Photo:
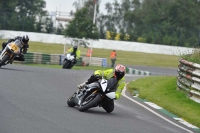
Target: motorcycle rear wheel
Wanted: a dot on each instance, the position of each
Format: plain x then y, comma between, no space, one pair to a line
70,101
5,58
91,102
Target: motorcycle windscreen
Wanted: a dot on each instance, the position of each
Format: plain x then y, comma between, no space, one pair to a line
18,43
92,86
70,57
112,84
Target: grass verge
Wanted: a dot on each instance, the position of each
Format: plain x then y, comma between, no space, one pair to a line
162,91
74,68
123,57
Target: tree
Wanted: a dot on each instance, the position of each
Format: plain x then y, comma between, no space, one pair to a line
60,29
49,25
81,26
29,11
7,10
162,21
22,15
167,22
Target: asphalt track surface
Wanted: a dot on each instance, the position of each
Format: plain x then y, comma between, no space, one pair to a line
33,100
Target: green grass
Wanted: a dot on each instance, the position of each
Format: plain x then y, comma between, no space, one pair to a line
74,68
123,57
162,90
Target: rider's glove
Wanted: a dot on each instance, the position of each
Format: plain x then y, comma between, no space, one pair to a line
25,51
21,54
97,77
81,86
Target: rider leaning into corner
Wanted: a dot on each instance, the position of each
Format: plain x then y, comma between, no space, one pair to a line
24,40
75,51
118,72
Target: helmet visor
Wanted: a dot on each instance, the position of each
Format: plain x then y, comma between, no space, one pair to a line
24,41
119,75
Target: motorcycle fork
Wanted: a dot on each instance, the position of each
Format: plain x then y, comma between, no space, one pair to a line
100,94
93,93
7,54
4,54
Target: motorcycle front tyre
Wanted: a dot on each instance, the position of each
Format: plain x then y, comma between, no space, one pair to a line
5,58
65,64
71,65
90,103
70,101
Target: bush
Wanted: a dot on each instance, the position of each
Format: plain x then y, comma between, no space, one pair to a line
194,57
140,39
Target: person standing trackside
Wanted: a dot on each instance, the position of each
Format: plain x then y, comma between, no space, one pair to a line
113,55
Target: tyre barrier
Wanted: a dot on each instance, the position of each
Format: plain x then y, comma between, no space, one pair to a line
57,59
189,79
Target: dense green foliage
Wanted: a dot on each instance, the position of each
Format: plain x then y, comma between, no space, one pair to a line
26,15
193,57
168,22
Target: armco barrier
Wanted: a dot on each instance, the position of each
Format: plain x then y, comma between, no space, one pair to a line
189,79
39,58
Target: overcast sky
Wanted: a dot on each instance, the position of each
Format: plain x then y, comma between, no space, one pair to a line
67,5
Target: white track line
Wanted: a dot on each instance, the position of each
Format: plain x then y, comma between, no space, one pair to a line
147,108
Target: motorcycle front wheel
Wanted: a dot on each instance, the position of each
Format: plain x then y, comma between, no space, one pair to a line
70,101
65,63
89,102
5,58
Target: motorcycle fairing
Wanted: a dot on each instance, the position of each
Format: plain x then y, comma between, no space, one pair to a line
112,84
69,57
92,86
103,84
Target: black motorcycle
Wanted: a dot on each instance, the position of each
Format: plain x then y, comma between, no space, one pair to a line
93,94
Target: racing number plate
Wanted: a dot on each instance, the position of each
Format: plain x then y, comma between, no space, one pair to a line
104,84
14,47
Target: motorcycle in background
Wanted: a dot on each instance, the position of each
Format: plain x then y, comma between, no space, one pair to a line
94,94
10,52
68,61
